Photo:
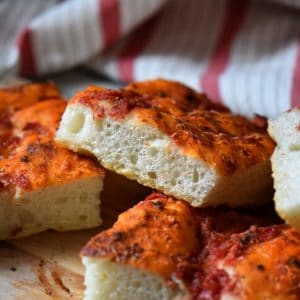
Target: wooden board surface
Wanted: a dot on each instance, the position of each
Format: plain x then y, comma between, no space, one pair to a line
47,265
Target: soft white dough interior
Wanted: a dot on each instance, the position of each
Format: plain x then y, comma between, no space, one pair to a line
285,130
286,168
105,280
286,165
72,206
142,152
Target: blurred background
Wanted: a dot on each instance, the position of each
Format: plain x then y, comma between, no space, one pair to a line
243,53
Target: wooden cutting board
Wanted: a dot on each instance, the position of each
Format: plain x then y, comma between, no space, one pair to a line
47,265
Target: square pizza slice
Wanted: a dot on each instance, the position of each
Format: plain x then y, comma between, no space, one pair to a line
42,185
165,249
172,139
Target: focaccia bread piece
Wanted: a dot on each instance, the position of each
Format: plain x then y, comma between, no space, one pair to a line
286,165
42,185
166,249
170,138
23,95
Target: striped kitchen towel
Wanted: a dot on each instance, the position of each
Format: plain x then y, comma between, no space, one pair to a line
243,53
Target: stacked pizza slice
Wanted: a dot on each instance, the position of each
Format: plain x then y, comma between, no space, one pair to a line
170,138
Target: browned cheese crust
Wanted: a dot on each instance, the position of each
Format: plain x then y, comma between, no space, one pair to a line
201,128
213,251
29,157
15,98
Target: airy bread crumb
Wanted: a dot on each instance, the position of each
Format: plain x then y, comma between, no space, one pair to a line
108,280
71,206
142,152
286,165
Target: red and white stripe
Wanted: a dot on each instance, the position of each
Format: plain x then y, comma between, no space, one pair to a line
245,54
259,74
295,89
64,36
234,16
118,61
182,43
14,19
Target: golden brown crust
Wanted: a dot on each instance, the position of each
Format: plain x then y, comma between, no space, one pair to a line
15,98
172,93
166,222
276,261
213,251
29,157
199,127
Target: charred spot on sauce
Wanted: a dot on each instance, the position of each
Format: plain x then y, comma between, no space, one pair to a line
5,120
147,217
260,267
118,236
294,261
191,97
162,94
187,271
35,126
260,122
256,235
25,159
248,238
159,115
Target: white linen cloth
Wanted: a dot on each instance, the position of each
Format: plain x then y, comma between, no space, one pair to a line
243,53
